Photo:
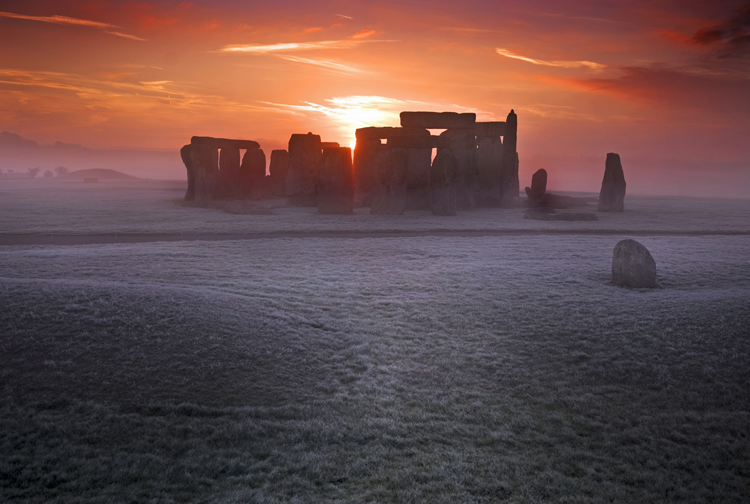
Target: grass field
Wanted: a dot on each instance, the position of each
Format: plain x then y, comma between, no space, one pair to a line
430,369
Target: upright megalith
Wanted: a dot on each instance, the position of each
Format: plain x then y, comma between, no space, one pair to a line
365,152
419,144
489,162
206,159
509,168
462,143
186,153
305,156
229,172
633,265
443,177
278,169
389,196
612,194
491,129
224,143
437,120
336,182
253,174
538,187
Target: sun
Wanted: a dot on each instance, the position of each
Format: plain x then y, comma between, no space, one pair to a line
353,144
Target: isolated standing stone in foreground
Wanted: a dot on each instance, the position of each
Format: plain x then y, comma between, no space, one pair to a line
632,265
443,177
612,195
336,182
538,185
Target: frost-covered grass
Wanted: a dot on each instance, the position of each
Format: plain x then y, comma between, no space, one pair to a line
156,207
434,369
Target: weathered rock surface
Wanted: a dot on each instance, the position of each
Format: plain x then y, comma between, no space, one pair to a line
364,167
463,145
253,174
224,143
437,120
186,153
509,168
552,216
443,176
206,160
633,265
489,162
418,142
418,179
238,207
538,185
336,182
278,168
229,172
305,156
328,145
389,195
381,133
489,129
612,194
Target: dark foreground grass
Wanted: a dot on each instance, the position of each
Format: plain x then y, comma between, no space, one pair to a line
459,390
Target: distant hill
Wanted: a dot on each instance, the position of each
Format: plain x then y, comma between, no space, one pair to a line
99,173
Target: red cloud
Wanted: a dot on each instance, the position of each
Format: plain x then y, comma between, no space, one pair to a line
363,34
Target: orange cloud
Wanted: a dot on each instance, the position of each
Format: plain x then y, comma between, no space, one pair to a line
70,21
312,30
363,34
595,67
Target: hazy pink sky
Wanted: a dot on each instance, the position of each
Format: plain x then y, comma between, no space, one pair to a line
666,80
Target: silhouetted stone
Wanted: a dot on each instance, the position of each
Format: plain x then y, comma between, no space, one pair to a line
206,160
419,142
229,173
463,145
633,265
253,174
489,162
612,195
547,214
328,145
437,120
278,169
336,182
418,179
305,156
365,152
538,185
238,207
186,153
489,129
443,175
509,168
224,143
391,171
384,133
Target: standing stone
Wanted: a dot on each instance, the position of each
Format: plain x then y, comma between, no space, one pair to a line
305,156
509,169
206,160
253,170
538,185
186,153
336,182
463,145
364,166
489,164
443,177
229,172
391,172
612,195
632,265
279,167
418,179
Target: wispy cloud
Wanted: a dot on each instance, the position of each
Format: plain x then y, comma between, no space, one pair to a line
291,46
596,67
65,20
363,34
327,64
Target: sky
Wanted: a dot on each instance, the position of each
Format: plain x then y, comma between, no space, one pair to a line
666,84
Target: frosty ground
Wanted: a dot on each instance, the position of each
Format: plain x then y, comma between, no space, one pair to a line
384,369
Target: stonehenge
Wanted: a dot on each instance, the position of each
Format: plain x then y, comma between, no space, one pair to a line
612,194
392,169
